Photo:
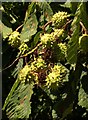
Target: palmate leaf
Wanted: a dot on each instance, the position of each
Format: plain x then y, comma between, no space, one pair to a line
29,28
19,105
73,43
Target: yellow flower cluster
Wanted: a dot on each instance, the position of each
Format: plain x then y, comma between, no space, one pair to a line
14,39
51,38
55,77
38,63
23,48
63,49
46,38
59,19
30,71
24,73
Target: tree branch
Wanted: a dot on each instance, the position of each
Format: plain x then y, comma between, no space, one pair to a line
64,27
85,30
44,26
30,52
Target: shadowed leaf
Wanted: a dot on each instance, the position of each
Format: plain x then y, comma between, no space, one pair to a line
29,28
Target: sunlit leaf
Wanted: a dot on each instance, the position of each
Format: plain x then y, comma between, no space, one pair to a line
5,30
83,42
83,98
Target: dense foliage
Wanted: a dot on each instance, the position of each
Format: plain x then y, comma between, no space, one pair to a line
45,60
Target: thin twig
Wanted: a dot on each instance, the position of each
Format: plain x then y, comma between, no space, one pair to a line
32,50
12,63
83,27
26,60
19,27
64,27
23,56
44,26
50,22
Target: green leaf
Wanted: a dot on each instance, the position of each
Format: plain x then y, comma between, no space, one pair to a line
73,43
83,42
54,114
6,18
19,105
29,28
62,106
47,11
72,49
17,68
66,4
30,10
84,15
84,81
71,5
10,93
83,98
36,38
67,111
5,30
